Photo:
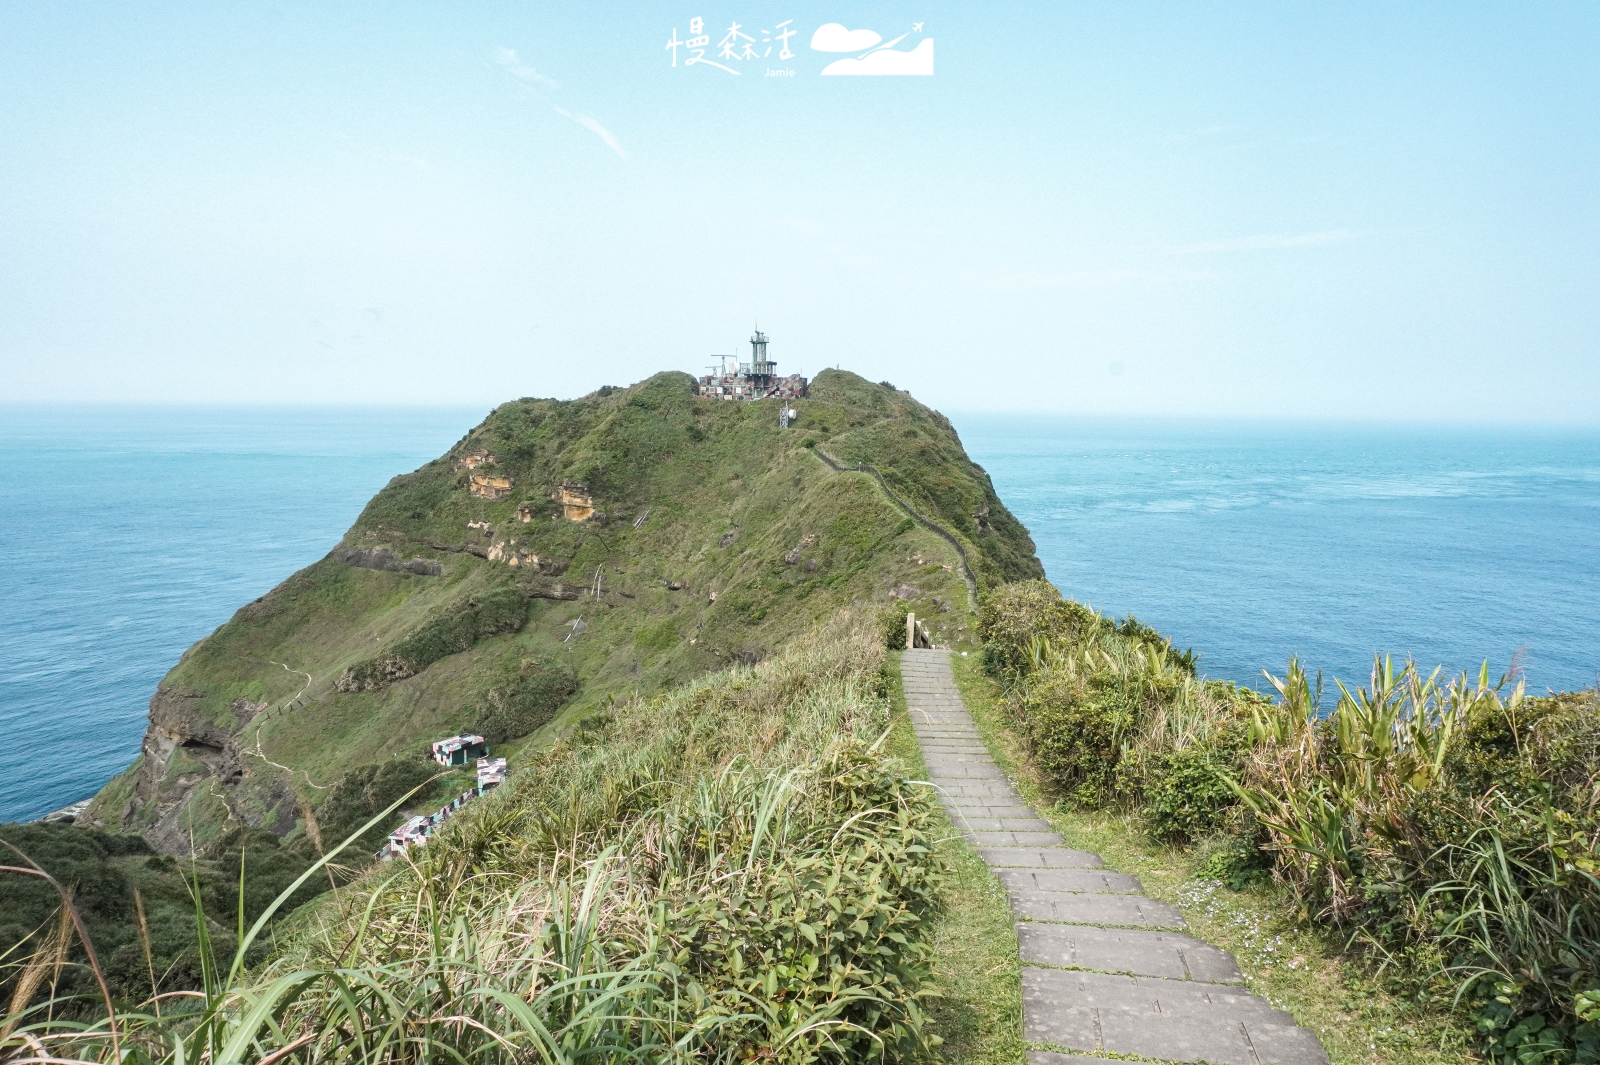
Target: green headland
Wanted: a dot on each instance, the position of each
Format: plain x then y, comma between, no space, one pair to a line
714,537
679,620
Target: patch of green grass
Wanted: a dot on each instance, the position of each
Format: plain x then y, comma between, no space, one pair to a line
976,966
658,637
729,871
1285,959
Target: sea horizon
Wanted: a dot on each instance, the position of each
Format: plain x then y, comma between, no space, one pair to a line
1475,421
136,529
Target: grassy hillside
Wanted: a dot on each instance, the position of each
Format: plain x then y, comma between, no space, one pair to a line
719,538
730,871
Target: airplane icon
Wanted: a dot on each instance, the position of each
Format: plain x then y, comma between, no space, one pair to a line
916,27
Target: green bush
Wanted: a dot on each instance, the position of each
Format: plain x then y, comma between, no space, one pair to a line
1014,616
269,865
86,862
366,789
1455,826
1132,628
137,906
845,900
1186,795
892,620
446,633
526,696
1235,856
1075,729
499,611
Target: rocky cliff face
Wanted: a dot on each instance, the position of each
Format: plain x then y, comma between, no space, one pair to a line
427,621
183,751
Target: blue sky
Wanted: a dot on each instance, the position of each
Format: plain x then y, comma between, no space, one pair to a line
1286,210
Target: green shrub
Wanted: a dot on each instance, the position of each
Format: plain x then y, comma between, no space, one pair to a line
499,611
1453,825
1012,617
1075,729
366,789
270,866
892,620
85,862
1187,795
448,632
1236,857
527,695
1134,629
844,898
137,906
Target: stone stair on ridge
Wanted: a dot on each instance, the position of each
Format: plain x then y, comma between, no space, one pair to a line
1105,968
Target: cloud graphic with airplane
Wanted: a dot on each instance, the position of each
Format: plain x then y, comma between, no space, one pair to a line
876,56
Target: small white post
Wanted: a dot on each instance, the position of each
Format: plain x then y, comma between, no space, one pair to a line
911,631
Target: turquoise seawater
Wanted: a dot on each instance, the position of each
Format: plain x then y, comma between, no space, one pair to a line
128,534
1251,543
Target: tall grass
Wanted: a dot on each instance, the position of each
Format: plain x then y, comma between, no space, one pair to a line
1449,826
730,871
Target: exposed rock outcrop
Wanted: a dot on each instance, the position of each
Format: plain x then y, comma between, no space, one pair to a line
472,460
576,502
490,486
464,549
546,588
793,554
506,551
382,558
183,751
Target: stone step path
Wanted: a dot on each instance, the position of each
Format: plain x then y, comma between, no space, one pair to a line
1104,968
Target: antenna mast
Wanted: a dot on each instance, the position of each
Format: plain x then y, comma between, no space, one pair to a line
761,368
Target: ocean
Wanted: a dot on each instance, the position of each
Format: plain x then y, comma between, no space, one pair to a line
128,534
1252,543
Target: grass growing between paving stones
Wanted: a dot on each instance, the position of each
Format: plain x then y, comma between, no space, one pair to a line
1296,966
976,969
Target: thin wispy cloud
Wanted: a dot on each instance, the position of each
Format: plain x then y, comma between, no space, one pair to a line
1266,242
507,57
588,122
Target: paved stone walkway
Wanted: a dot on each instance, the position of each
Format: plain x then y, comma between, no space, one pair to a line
1105,969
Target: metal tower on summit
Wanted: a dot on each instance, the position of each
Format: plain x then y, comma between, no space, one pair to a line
761,368
756,379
